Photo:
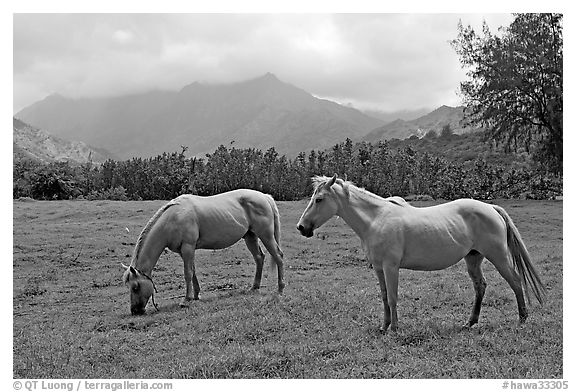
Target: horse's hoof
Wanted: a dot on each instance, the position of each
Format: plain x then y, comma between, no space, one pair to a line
185,303
469,324
383,329
522,320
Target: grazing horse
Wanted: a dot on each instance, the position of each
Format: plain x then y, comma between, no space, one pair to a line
397,235
191,222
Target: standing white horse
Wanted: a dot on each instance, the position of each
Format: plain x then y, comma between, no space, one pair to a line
396,235
191,222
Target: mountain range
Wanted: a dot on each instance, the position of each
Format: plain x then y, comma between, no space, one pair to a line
38,145
261,113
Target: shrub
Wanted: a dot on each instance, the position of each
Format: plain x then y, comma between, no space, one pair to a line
117,193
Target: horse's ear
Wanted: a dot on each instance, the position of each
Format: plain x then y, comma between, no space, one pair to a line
332,181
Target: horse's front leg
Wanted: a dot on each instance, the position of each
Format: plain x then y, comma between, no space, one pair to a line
192,286
391,276
384,295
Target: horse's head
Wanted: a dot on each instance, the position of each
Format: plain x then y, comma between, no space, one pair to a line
141,289
323,205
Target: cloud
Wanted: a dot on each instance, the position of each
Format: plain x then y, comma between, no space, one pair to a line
385,61
123,37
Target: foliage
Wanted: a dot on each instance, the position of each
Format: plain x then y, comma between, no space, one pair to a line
118,193
50,182
411,167
515,84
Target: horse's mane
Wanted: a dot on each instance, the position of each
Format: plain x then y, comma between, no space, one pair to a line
147,229
319,181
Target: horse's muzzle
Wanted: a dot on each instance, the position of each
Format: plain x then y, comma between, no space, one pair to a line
306,232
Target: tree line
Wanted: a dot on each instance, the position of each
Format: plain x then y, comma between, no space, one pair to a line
379,168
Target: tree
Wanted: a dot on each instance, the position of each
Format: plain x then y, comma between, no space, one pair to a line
515,84
55,181
446,132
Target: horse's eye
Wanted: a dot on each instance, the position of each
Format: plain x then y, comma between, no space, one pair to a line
136,288
318,200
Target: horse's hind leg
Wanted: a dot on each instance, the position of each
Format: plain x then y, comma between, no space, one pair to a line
501,260
192,285
382,282
474,264
252,245
274,249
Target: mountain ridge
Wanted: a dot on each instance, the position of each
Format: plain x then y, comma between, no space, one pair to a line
433,121
262,112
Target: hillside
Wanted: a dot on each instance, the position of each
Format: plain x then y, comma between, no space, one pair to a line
435,120
463,149
260,113
39,145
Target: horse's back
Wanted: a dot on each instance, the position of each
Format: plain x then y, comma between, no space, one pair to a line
220,220
459,206
438,236
223,201
472,209
476,215
480,220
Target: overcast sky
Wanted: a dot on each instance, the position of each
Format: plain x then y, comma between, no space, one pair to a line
378,61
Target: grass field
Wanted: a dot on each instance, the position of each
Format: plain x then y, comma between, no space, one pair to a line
72,317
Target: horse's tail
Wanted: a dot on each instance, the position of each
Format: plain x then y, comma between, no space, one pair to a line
276,222
273,265
521,258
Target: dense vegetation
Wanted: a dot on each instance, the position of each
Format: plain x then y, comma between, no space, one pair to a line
442,167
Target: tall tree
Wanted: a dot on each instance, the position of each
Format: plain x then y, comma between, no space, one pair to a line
515,84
